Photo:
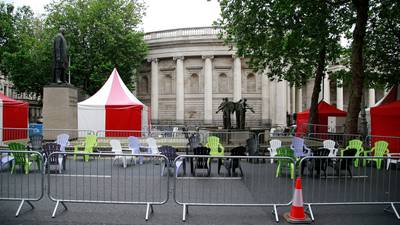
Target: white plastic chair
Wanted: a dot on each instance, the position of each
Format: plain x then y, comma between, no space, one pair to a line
152,146
392,158
175,132
117,149
274,145
5,159
134,146
329,144
272,132
63,141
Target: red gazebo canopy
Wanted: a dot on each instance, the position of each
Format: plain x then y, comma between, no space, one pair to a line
385,121
325,110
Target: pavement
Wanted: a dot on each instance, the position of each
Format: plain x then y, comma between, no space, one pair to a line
101,180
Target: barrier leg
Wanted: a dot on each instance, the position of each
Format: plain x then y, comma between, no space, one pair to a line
395,211
311,212
148,208
55,208
276,214
387,209
20,207
184,213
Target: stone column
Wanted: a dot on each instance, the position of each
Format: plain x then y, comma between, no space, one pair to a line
371,97
180,94
299,100
237,79
339,95
288,105
265,101
154,89
293,98
208,112
327,89
280,106
272,99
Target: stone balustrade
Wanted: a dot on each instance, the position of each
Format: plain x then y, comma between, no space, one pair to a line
183,32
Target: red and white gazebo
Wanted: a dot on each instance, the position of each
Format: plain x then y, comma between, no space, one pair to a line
13,119
113,107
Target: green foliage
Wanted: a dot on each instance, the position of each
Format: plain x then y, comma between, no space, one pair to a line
284,36
382,50
6,28
27,59
101,35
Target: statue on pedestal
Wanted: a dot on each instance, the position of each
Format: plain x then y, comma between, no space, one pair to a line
60,58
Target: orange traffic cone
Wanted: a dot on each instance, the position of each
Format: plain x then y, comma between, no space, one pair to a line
297,214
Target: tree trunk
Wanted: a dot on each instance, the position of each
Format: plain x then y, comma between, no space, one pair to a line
357,66
313,116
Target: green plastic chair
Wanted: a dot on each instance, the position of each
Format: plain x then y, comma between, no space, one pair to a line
216,149
285,152
354,144
21,159
88,145
380,149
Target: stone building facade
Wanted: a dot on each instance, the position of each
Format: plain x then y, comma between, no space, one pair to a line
188,72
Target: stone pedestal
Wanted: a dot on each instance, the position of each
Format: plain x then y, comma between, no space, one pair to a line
60,111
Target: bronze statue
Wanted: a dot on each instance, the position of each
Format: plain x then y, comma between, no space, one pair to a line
227,108
240,110
60,58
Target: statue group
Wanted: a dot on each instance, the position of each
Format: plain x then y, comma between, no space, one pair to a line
239,108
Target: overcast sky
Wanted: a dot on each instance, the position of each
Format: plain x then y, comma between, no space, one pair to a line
160,14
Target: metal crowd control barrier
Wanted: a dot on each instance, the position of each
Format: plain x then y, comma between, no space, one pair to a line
257,186
345,181
74,134
25,182
394,141
177,139
103,179
230,137
14,134
340,139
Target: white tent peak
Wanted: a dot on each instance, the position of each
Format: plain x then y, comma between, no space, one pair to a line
113,92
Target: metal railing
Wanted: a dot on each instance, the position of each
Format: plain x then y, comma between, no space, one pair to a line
104,180
349,181
21,181
254,183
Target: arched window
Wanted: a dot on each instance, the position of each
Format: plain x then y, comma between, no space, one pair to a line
167,84
223,83
251,83
194,83
144,85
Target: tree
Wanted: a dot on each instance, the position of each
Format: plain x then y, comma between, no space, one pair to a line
382,51
294,39
27,58
101,35
6,29
357,65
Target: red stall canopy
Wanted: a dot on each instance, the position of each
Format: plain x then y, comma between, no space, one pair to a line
385,121
13,114
325,110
